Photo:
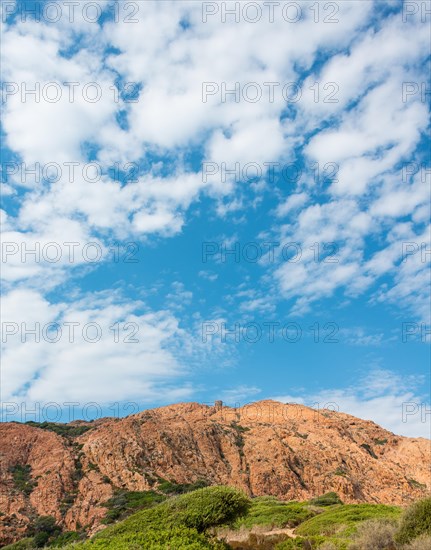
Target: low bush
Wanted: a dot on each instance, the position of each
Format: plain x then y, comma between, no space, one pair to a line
342,520
21,476
65,430
328,499
172,488
415,521
272,512
179,523
124,503
23,544
374,535
209,507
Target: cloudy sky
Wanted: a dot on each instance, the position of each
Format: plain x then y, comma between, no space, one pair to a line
216,200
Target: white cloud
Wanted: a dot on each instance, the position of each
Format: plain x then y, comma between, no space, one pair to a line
117,351
293,202
369,132
388,399
238,395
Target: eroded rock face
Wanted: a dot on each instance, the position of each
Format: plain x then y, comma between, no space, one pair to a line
266,448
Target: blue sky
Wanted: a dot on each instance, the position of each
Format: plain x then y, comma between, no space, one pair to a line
264,173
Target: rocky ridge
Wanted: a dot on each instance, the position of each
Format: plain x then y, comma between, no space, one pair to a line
265,448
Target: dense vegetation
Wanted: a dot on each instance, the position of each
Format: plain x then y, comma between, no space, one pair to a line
65,430
213,517
415,521
124,503
22,479
179,523
271,512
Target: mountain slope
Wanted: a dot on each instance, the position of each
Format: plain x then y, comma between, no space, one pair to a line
267,448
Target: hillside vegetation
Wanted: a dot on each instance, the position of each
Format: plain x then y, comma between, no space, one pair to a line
222,517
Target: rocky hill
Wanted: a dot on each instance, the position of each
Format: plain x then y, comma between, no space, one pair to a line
266,448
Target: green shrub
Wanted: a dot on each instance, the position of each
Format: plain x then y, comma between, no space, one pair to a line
416,485
342,520
65,430
124,503
41,539
369,450
21,476
177,523
209,507
328,499
173,538
23,544
415,521
173,488
274,513
66,538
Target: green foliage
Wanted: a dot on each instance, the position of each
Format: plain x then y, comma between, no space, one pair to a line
46,524
187,521
23,544
328,499
67,502
209,507
172,488
262,541
291,544
380,441
22,478
274,513
416,484
312,543
342,520
41,539
369,450
415,521
65,430
44,530
124,503
66,538
239,428
178,523
172,538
